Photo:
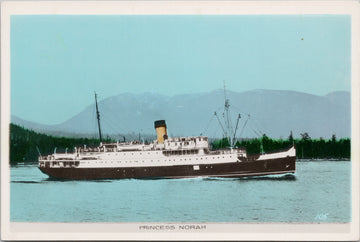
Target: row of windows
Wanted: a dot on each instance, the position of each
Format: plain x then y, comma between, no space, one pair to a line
135,161
60,164
180,152
117,154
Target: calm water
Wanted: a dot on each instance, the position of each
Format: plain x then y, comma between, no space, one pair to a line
319,192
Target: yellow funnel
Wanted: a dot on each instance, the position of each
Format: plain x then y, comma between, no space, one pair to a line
161,132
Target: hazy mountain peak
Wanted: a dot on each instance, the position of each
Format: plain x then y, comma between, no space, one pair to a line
274,112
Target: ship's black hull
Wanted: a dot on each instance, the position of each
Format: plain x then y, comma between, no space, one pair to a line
231,170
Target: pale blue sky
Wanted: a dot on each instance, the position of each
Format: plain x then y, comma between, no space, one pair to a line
58,61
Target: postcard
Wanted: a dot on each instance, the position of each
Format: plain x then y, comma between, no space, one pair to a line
180,120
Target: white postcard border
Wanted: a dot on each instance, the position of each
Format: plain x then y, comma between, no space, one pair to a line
223,231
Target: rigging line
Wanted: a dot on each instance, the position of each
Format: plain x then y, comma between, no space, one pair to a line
257,128
257,134
237,123
220,124
242,130
116,129
216,131
115,132
119,120
115,125
208,124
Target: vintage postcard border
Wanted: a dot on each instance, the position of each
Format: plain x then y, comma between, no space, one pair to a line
130,231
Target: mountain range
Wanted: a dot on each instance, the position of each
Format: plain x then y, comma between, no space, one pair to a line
275,113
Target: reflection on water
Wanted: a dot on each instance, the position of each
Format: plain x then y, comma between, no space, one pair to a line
316,188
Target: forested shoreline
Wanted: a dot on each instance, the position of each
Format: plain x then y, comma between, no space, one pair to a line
306,147
26,145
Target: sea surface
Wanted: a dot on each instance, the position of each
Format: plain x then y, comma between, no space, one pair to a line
318,192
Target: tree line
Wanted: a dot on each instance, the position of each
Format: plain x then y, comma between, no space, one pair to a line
306,147
26,145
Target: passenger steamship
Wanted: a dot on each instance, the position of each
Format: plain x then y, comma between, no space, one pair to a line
165,157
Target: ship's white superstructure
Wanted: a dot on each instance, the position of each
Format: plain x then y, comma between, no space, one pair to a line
172,152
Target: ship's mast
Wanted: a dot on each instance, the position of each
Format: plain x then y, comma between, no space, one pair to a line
229,133
98,116
227,119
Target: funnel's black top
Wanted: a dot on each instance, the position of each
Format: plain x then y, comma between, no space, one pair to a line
159,123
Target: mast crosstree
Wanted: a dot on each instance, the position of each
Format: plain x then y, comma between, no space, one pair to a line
229,133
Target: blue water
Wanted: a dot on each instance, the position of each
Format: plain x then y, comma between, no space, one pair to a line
319,192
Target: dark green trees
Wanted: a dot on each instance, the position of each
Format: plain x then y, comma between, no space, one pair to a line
24,144
306,147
